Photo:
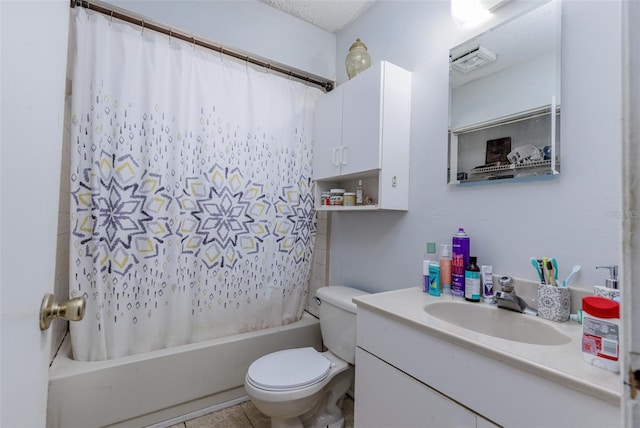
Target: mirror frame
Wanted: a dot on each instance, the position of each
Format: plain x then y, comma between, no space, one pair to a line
519,104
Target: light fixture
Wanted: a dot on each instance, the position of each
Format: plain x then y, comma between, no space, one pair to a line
471,12
473,59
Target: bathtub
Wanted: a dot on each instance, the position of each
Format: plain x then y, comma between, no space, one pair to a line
164,385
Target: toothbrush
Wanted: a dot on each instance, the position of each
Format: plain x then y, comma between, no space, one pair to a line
550,273
536,266
575,270
555,268
545,270
541,271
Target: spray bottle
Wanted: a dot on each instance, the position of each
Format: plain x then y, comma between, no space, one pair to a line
459,261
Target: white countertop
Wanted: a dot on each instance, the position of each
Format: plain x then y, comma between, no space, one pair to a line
558,363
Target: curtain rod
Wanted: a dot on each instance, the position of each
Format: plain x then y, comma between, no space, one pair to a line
131,18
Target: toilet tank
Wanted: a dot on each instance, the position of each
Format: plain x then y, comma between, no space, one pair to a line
338,320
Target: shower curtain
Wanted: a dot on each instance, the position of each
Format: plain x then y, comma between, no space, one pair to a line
191,205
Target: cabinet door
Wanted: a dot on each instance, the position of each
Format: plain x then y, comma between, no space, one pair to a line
328,134
387,397
362,121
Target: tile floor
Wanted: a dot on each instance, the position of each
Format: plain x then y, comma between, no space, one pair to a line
245,415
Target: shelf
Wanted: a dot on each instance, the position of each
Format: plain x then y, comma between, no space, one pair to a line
470,149
511,167
375,207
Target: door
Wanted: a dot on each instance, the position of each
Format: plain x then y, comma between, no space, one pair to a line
631,209
362,121
388,397
327,135
34,37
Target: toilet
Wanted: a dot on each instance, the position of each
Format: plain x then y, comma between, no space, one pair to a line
302,387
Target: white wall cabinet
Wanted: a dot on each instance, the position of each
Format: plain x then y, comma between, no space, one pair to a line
362,131
414,377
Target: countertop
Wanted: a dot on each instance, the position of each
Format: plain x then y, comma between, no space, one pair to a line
558,363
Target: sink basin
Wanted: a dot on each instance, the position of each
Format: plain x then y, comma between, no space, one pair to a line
496,322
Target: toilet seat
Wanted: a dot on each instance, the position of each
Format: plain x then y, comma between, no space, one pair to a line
289,369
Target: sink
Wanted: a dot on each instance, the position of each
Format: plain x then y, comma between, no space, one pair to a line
496,322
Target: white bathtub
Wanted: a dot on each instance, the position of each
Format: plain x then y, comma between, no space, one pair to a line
149,388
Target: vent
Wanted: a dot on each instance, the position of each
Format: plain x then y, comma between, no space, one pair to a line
473,59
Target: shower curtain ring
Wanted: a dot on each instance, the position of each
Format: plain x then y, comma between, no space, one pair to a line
142,31
170,35
111,18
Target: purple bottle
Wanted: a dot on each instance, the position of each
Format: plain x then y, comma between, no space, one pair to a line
459,260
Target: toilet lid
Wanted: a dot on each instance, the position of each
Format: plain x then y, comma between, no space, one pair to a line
289,369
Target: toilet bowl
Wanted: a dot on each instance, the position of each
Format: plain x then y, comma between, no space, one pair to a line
303,387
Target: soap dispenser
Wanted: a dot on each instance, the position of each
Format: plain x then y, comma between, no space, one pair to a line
610,288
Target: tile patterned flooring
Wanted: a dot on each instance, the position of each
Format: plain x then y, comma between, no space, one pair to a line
245,415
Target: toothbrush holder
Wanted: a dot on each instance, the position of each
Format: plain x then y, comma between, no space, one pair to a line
554,303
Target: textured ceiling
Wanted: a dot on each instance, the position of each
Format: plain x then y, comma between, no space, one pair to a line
330,15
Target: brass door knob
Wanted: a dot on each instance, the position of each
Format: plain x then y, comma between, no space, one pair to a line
72,310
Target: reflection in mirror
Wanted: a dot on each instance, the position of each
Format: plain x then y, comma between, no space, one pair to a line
504,86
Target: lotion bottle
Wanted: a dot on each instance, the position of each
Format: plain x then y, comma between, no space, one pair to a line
445,269
610,289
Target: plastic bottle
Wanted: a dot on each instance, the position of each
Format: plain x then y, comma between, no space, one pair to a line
472,281
434,278
445,269
429,257
601,332
459,260
486,274
359,193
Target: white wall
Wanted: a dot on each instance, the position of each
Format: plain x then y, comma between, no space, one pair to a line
249,26
575,217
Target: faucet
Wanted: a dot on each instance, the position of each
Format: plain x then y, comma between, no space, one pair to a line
506,298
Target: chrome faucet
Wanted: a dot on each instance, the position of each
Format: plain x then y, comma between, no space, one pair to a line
506,298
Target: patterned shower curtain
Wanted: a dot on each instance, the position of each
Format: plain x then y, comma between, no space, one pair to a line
191,208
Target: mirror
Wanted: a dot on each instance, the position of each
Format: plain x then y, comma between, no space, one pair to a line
504,107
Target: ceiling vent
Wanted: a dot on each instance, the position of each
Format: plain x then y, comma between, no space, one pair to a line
473,59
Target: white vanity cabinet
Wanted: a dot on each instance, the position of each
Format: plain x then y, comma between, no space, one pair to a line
362,132
388,397
408,378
